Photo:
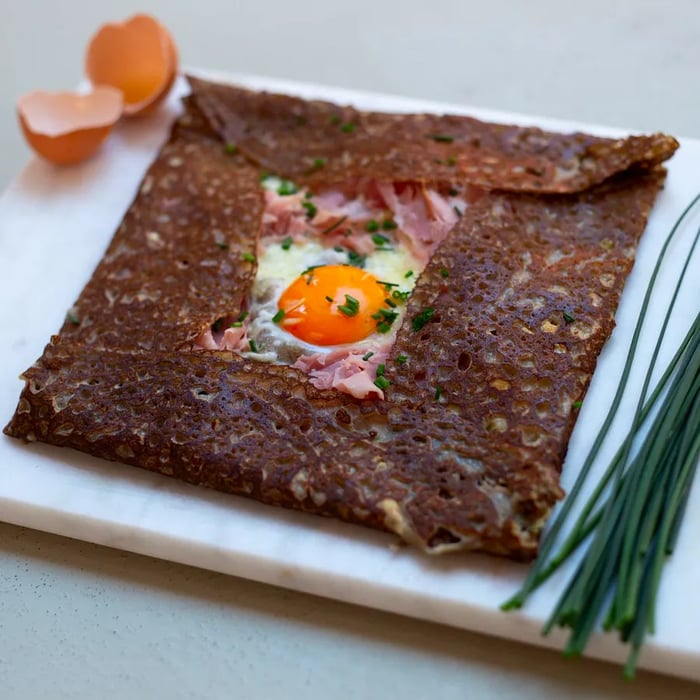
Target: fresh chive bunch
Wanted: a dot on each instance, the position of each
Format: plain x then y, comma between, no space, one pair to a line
632,519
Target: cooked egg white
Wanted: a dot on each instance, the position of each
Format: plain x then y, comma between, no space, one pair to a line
280,265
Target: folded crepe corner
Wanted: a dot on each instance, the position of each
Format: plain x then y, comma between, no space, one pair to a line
536,267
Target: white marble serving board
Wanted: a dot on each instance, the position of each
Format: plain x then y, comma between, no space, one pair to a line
54,226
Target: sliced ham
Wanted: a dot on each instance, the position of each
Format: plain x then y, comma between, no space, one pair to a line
345,370
206,341
233,339
284,216
423,215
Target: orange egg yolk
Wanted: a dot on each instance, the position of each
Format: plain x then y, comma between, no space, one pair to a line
331,305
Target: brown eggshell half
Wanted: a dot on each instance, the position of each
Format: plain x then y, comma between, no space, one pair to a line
67,127
138,57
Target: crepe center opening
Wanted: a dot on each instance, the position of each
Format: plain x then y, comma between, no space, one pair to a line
334,271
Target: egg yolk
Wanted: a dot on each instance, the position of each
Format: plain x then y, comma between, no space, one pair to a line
332,304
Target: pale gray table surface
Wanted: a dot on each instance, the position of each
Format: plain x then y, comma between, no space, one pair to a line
81,621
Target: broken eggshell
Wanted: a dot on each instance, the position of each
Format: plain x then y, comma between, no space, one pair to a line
138,57
68,127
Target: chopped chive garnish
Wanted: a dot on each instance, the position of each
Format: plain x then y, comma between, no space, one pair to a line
348,127
72,317
248,257
438,392
379,239
385,318
222,244
389,224
329,299
444,272
264,175
243,315
381,382
335,120
286,188
334,226
311,209
458,211
390,303
253,345
356,259
422,318
237,324
401,359
380,370
441,138
309,194
577,404
367,355
339,249
408,274
401,296
309,272
568,317
230,148
350,307
371,226
388,285
286,243
318,163
278,316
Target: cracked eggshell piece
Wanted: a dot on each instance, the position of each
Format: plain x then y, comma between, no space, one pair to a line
68,127
138,57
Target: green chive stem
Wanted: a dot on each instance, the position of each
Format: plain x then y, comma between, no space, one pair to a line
334,226
549,541
650,490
